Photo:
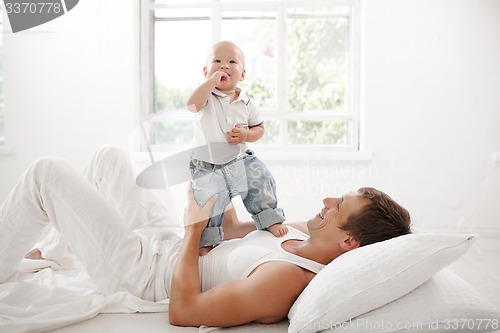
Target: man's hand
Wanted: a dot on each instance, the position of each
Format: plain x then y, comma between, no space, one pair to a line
196,216
239,134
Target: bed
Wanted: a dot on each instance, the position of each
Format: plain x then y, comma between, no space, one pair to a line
429,282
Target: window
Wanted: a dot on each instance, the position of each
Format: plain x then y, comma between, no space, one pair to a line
2,117
301,61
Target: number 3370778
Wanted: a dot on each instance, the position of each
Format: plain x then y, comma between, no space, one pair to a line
33,7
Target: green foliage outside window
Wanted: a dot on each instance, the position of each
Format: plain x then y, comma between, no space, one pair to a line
317,132
317,61
169,99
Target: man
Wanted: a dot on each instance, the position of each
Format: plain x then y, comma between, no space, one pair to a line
120,234
270,290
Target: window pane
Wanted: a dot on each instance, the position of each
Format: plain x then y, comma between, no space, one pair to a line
321,11
319,132
182,14
179,61
315,41
271,135
173,131
254,33
317,60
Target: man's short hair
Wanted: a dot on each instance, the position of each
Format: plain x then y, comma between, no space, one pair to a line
381,219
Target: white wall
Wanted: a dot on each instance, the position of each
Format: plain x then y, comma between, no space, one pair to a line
431,106
432,82
70,85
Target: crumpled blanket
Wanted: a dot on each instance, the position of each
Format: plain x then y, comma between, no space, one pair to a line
43,297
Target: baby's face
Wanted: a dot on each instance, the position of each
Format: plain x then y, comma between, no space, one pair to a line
228,58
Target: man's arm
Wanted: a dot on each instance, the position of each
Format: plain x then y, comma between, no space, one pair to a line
265,296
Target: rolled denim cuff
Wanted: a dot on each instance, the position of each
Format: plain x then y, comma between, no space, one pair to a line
211,236
268,217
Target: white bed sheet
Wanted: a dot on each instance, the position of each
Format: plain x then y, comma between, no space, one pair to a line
60,301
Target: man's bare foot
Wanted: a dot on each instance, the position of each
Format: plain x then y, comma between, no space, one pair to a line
278,230
34,254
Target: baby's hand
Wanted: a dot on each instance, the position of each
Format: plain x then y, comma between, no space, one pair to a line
278,230
219,77
238,134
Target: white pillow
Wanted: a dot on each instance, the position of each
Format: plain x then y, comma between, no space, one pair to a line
442,304
371,276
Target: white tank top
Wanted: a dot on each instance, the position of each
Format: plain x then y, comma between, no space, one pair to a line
237,258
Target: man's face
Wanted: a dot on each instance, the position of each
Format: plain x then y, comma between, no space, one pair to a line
326,225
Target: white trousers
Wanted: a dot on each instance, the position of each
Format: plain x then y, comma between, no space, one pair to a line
120,232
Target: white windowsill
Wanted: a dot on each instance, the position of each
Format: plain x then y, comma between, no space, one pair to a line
308,155
271,154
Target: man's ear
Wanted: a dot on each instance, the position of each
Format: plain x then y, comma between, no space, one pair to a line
349,243
243,75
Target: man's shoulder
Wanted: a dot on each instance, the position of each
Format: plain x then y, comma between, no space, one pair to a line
280,281
281,271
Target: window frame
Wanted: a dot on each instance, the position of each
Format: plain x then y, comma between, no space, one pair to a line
281,150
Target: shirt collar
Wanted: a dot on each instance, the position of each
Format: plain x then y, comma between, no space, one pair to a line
242,96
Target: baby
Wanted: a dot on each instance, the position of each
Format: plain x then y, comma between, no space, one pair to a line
221,162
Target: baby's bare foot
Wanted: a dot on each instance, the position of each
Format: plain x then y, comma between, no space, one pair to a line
278,230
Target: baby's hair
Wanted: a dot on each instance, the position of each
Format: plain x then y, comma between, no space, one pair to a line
225,42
